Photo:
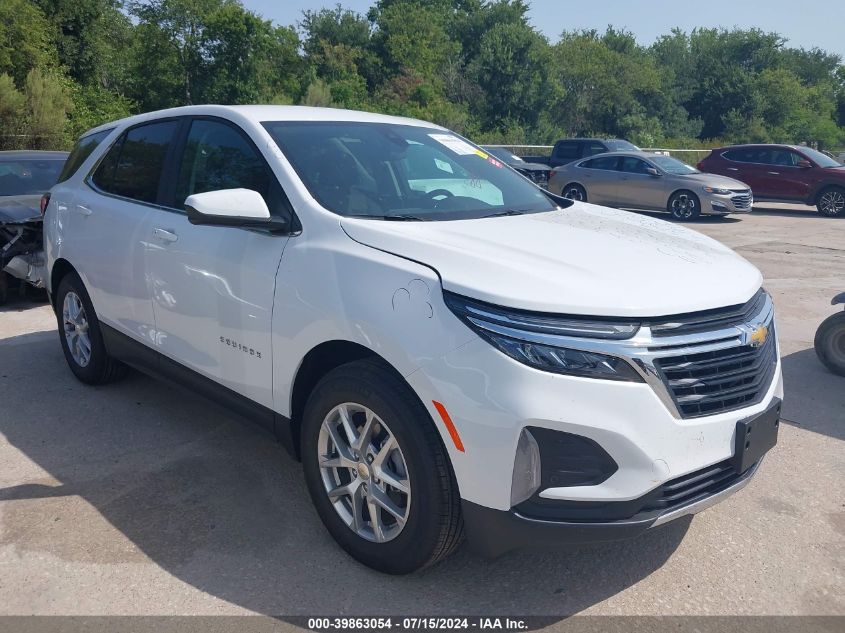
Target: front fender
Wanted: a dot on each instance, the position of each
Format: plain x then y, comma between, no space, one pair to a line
343,290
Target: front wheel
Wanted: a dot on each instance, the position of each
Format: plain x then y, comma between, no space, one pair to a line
684,205
830,343
831,202
377,470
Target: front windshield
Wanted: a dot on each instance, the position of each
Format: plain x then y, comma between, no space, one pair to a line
673,165
822,160
28,177
618,145
387,171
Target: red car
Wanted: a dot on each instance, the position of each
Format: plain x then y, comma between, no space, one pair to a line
783,173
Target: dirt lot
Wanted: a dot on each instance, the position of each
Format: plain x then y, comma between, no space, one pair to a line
138,498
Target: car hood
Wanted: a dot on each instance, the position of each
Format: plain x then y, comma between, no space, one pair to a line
583,259
532,166
714,180
20,209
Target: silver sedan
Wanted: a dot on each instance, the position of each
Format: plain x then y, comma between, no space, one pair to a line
640,180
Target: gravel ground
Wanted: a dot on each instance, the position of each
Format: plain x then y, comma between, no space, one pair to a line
139,498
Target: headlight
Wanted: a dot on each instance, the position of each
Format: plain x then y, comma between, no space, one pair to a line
515,333
718,190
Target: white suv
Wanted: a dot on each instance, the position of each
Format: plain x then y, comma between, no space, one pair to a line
444,345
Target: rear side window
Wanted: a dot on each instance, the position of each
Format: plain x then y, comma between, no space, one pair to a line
82,150
607,163
132,168
568,150
748,155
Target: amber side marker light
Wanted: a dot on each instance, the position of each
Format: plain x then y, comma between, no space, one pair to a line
450,426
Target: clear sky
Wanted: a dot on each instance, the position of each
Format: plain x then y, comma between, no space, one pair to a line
806,23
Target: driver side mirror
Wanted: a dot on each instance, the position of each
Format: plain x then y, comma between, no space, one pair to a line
232,207
652,171
804,164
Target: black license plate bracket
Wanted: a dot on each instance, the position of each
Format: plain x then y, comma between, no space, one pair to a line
755,436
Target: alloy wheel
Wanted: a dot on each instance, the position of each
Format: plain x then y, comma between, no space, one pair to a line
364,472
832,202
574,193
75,324
683,207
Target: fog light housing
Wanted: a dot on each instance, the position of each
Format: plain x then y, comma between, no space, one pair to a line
526,468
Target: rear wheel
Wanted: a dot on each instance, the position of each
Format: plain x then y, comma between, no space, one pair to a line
574,191
377,470
684,205
831,202
81,337
830,343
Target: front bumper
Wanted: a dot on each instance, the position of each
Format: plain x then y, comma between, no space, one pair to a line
718,204
494,532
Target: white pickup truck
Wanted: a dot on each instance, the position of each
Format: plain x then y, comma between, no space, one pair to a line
446,347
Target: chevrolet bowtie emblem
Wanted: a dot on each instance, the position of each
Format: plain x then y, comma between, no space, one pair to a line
758,336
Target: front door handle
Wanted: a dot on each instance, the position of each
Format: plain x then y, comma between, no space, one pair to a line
733,168
774,173
165,236
83,210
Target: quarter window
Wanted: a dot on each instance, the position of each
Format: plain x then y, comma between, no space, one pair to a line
133,166
82,150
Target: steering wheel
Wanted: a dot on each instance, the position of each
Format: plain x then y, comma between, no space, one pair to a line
434,193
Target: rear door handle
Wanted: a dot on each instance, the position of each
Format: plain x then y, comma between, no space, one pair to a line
165,236
83,210
733,168
774,173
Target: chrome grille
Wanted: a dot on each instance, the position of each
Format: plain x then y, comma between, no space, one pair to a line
742,200
709,320
719,380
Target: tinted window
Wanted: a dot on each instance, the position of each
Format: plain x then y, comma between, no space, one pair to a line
748,155
784,157
132,168
217,156
618,145
80,152
568,150
634,165
379,169
673,165
595,148
28,177
820,159
605,162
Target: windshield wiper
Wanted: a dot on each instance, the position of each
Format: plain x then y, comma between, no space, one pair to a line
500,214
394,217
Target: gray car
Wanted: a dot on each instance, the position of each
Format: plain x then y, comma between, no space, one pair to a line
640,180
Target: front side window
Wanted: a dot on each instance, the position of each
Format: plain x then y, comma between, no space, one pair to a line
595,148
568,150
784,158
219,157
28,176
133,167
633,165
608,163
382,170
81,151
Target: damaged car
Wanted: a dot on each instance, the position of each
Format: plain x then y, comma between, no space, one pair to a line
24,177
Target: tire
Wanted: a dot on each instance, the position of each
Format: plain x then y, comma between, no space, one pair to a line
96,367
574,191
684,206
831,202
432,526
830,343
